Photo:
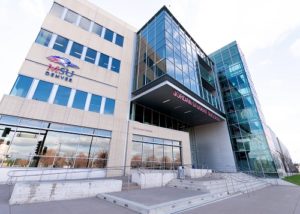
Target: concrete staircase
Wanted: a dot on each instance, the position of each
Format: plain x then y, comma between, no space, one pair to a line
210,188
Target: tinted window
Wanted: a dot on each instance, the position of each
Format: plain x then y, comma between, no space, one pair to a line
103,62
97,29
43,91
95,103
108,35
90,55
62,96
60,44
71,17
109,106
76,50
57,10
119,40
79,99
44,37
85,23
115,66
21,86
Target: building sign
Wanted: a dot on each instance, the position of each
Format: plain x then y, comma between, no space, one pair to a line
192,103
63,71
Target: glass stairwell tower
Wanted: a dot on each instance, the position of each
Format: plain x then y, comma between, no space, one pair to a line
245,120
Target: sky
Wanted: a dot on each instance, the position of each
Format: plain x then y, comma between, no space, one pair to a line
267,31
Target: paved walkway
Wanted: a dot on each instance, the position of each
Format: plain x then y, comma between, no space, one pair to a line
270,200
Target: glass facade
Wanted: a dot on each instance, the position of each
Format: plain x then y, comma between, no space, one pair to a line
244,117
32,143
165,48
155,153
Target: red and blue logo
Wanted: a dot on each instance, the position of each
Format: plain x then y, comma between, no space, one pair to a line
62,61
63,72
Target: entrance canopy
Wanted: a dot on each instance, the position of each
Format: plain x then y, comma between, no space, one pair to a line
167,96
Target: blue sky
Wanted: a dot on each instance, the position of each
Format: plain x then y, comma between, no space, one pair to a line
267,31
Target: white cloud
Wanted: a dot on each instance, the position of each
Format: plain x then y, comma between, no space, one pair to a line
295,48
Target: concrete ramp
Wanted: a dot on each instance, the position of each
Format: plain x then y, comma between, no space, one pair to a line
31,192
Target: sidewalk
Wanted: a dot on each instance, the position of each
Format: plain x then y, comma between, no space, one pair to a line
270,200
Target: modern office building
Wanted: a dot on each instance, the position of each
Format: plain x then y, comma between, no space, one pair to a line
95,92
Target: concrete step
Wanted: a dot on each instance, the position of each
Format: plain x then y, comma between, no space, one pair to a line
167,207
130,186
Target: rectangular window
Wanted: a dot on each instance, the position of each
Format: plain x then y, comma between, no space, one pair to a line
21,86
57,10
115,66
62,96
95,103
119,40
76,50
71,17
90,55
60,44
108,35
103,62
97,29
43,91
43,38
79,99
85,23
109,106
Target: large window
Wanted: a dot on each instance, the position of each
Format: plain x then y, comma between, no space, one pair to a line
61,44
119,40
57,10
90,55
79,99
44,37
108,35
97,29
103,62
71,17
115,65
62,96
109,106
22,86
76,50
95,103
85,23
43,91
155,153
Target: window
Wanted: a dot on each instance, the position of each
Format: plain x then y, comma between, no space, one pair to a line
103,62
57,10
85,23
79,99
108,35
21,86
97,29
44,37
62,96
95,103
119,40
115,66
109,106
61,44
76,50
43,91
90,55
71,17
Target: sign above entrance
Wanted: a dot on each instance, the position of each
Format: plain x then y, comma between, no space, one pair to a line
63,72
197,106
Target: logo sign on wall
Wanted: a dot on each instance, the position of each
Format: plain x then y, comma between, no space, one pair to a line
62,70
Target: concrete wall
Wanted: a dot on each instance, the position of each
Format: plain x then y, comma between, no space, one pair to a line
150,179
53,191
44,174
211,147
